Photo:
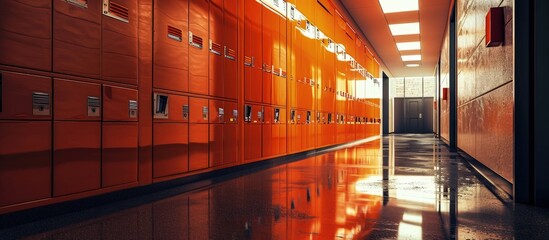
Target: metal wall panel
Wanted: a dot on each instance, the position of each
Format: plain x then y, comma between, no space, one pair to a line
119,104
77,38
171,48
25,33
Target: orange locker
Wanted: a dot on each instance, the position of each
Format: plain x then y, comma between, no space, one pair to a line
279,93
198,46
230,27
293,129
198,133
77,37
253,116
119,41
280,130
171,49
217,118
170,134
230,133
253,70
269,35
76,137
119,138
216,76
25,145
267,143
25,34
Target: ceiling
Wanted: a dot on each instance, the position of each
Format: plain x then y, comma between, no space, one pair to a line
433,18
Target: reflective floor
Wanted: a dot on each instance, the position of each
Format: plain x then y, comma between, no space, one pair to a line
398,187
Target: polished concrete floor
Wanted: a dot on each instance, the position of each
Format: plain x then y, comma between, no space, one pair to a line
397,187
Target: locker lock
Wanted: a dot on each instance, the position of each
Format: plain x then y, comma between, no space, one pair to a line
132,106
204,113
235,115
94,106
40,104
185,112
221,113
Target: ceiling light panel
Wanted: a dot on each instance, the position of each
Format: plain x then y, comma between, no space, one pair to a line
404,28
392,6
403,46
412,65
411,57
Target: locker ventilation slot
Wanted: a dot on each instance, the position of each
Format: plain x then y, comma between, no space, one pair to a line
78,3
94,102
175,34
249,61
230,53
116,11
195,41
215,48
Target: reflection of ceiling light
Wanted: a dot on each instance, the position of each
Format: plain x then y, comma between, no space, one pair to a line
412,65
411,57
275,6
404,28
403,46
391,6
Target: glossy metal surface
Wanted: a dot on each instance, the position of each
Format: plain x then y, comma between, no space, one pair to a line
77,38
400,187
119,44
198,55
25,33
119,153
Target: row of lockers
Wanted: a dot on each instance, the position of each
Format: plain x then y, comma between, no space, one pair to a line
70,74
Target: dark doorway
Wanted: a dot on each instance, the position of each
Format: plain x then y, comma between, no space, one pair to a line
414,115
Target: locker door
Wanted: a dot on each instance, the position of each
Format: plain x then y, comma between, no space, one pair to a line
253,51
25,34
25,145
77,38
198,133
170,135
283,139
217,119
119,41
216,76
292,130
119,138
252,132
76,137
119,163
230,133
230,26
198,46
267,132
171,50
268,32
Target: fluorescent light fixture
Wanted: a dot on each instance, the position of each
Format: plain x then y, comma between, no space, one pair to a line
392,6
403,46
412,65
411,57
404,28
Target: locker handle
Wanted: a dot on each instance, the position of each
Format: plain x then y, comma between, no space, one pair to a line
78,3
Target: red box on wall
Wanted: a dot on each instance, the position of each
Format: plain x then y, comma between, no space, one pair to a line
445,94
494,27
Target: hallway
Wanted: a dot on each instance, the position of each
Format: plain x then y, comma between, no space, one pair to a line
400,187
